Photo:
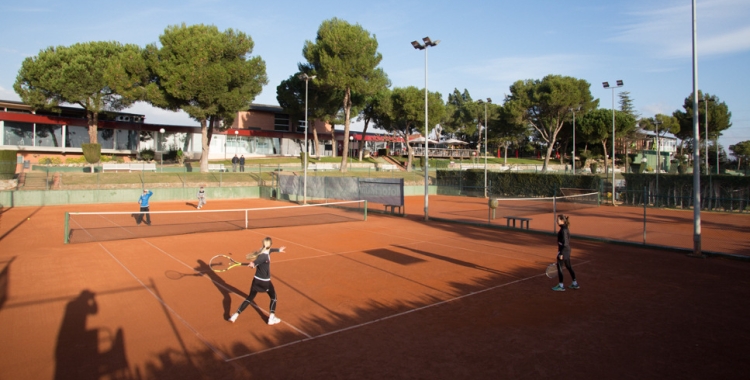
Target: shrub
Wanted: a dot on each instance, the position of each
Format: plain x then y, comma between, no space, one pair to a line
50,161
8,163
147,154
75,160
92,152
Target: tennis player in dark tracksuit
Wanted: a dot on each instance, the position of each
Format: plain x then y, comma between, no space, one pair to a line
262,281
563,253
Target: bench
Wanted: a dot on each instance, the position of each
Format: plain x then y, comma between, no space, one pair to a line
317,167
393,208
520,219
129,167
387,167
216,167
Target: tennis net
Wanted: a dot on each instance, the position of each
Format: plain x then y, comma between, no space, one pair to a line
543,205
82,227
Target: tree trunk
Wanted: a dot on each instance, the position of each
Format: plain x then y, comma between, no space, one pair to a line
347,112
361,144
93,122
547,155
317,143
205,143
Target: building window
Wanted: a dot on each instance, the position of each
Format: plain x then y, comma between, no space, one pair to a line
281,122
49,135
301,126
127,140
106,138
20,134
75,136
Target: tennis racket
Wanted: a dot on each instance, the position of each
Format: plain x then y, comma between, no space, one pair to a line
551,271
223,263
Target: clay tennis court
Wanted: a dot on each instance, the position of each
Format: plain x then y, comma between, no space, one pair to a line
390,297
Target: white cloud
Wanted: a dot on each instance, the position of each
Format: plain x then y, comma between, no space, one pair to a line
7,94
667,32
511,69
159,116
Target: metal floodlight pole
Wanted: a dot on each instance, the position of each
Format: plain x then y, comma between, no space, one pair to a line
236,141
161,155
574,137
614,187
306,78
486,124
697,251
658,157
427,43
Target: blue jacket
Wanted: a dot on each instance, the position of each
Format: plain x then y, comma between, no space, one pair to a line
143,200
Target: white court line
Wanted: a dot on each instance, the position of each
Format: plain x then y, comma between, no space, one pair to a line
223,287
394,315
308,336
164,304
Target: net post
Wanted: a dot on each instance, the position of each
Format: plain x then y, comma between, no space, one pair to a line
644,214
67,227
365,210
245,218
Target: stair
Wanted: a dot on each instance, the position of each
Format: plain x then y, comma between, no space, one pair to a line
390,160
33,181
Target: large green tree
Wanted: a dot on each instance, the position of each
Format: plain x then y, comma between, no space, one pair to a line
407,114
546,104
719,117
206,73
87,74
596,127
344,58
741,151
462,115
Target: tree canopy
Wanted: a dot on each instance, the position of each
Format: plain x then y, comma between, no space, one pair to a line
87,74
344,58
206,73
719,117
545,104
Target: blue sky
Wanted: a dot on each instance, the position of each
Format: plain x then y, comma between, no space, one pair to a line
485,45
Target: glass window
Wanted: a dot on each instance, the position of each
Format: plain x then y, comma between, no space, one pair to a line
106,138
301,126
17,133
49,135
127,140
281,122
75,136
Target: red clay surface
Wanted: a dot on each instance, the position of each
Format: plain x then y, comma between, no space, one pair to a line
391,297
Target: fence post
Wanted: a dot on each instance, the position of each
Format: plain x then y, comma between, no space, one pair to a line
644,214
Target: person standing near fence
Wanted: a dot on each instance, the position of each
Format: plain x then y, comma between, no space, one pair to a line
242,163
143,202
261,281
235,161
563,253
201,198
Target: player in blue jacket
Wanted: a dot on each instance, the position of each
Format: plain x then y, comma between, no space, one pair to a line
143,202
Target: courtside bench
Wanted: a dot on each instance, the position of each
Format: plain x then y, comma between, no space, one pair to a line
129,167
518,218
216,168
317,167
390,167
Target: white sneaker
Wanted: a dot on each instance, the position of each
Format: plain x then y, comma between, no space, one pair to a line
272,319
233,317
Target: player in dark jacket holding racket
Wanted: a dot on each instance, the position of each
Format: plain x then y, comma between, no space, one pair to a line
262,280
563,253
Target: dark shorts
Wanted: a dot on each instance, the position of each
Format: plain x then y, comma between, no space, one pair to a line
261,286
